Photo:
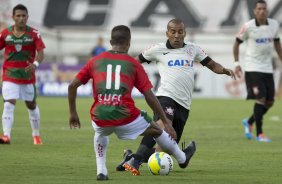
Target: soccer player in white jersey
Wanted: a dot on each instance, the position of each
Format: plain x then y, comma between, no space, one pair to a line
260,34
175,60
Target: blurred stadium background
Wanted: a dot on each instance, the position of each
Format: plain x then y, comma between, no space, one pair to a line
70,29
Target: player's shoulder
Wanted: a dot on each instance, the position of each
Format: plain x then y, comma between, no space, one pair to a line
32,30
29,28
190,44
250,23
7,30
272,22
156,46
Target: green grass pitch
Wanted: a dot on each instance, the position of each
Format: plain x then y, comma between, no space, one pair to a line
67,157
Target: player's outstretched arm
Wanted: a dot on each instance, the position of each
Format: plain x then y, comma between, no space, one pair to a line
219,69
72,91
153,102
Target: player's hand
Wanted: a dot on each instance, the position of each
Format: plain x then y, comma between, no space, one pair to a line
238,72
74,121
30,68
169,129
229,73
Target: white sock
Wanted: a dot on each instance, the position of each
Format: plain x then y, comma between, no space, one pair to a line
165,142
100,148
8,118
34,119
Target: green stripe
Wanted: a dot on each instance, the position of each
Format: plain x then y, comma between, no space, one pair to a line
107,112
127,68
10,28
18,73
19,56
25,40
28,29
146,116
35,92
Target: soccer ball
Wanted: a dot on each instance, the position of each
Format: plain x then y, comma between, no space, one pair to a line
160,163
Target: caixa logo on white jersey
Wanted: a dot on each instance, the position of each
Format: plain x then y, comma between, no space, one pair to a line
263,40
180,62
109,99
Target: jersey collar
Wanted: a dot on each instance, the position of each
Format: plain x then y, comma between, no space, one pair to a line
257,24
170,47
117,52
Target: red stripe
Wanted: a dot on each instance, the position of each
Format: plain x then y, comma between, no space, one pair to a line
15,64
106,123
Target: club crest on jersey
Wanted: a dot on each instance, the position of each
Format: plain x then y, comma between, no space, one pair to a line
169,110
190,51
180,62
18,47
255,90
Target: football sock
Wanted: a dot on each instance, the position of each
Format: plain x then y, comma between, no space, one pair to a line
251,120
145,148
147,154
8,118
259,111
100,148
34,119
171,147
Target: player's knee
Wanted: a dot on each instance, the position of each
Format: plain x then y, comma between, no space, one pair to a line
154,130
30,105
261,101
269,104
8,107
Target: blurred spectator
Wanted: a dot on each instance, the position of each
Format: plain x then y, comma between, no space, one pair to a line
99,48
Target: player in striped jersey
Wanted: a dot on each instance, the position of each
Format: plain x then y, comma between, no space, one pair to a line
260,34
114,74
23,54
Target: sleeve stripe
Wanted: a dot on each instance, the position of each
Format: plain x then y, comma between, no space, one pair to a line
239,40
205,61
276,39
142,59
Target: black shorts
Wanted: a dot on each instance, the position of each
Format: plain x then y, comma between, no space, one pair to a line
260,85
174,112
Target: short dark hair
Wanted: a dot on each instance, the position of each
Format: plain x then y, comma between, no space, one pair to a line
19,7
175,21
260,1
120,35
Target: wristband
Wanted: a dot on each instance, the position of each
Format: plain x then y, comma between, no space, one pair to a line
36,63
236,63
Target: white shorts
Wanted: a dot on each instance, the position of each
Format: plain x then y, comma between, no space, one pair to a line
129,131
12,90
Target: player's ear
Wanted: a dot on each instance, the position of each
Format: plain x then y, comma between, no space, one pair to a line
167,34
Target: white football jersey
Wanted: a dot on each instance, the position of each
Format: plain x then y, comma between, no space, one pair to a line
176,70
259,40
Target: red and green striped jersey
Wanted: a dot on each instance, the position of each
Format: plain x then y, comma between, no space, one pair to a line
113,77
19,51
